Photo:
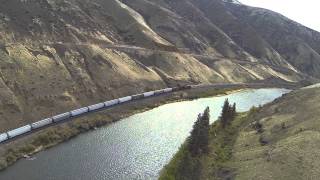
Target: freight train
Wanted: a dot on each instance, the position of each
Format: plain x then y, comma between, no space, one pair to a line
81,111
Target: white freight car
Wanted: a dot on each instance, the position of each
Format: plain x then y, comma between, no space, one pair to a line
96,106
41,123
125,99
111,103
3,137
19,131
167,90
137,96
157,92
148,94
61,117
80,111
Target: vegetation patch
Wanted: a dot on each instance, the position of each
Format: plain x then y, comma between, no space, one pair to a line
214,92
212,164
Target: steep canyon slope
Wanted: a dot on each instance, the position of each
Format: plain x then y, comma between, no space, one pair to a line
56,55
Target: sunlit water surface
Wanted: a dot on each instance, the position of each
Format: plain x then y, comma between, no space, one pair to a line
134,148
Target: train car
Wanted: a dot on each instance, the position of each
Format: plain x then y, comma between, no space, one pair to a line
187,87
3,137
158,92
137,96
61,117
148,94
175,89
96,106
80,111
125,99
111,103
19,131
167,90
41,123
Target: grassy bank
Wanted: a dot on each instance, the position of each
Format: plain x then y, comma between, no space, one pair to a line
44,139
277,141
213,165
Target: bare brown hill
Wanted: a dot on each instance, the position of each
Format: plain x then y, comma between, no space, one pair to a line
56,55
287,147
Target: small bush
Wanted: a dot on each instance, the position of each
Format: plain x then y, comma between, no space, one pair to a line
258,127
3,165
27,149
263,140
252,111
11,158
43,139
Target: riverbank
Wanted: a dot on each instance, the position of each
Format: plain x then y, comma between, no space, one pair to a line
47,138
214,164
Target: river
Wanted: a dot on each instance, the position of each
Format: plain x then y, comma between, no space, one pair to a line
134,148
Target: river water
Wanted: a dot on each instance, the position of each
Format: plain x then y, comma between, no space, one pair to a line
134,148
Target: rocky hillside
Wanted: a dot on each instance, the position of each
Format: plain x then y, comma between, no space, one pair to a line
56,55
287,146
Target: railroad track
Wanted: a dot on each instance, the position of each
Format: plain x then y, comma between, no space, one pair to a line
67,116
12,135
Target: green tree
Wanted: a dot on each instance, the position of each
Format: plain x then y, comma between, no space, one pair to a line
199,139
225,114
193,142
228,113
234,110
204,131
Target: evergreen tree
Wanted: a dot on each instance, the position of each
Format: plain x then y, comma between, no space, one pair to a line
204,133
225,114
199,139
234,111
228,113
193,143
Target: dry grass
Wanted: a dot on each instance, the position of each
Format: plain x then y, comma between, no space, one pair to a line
40,77
287,148
291,128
